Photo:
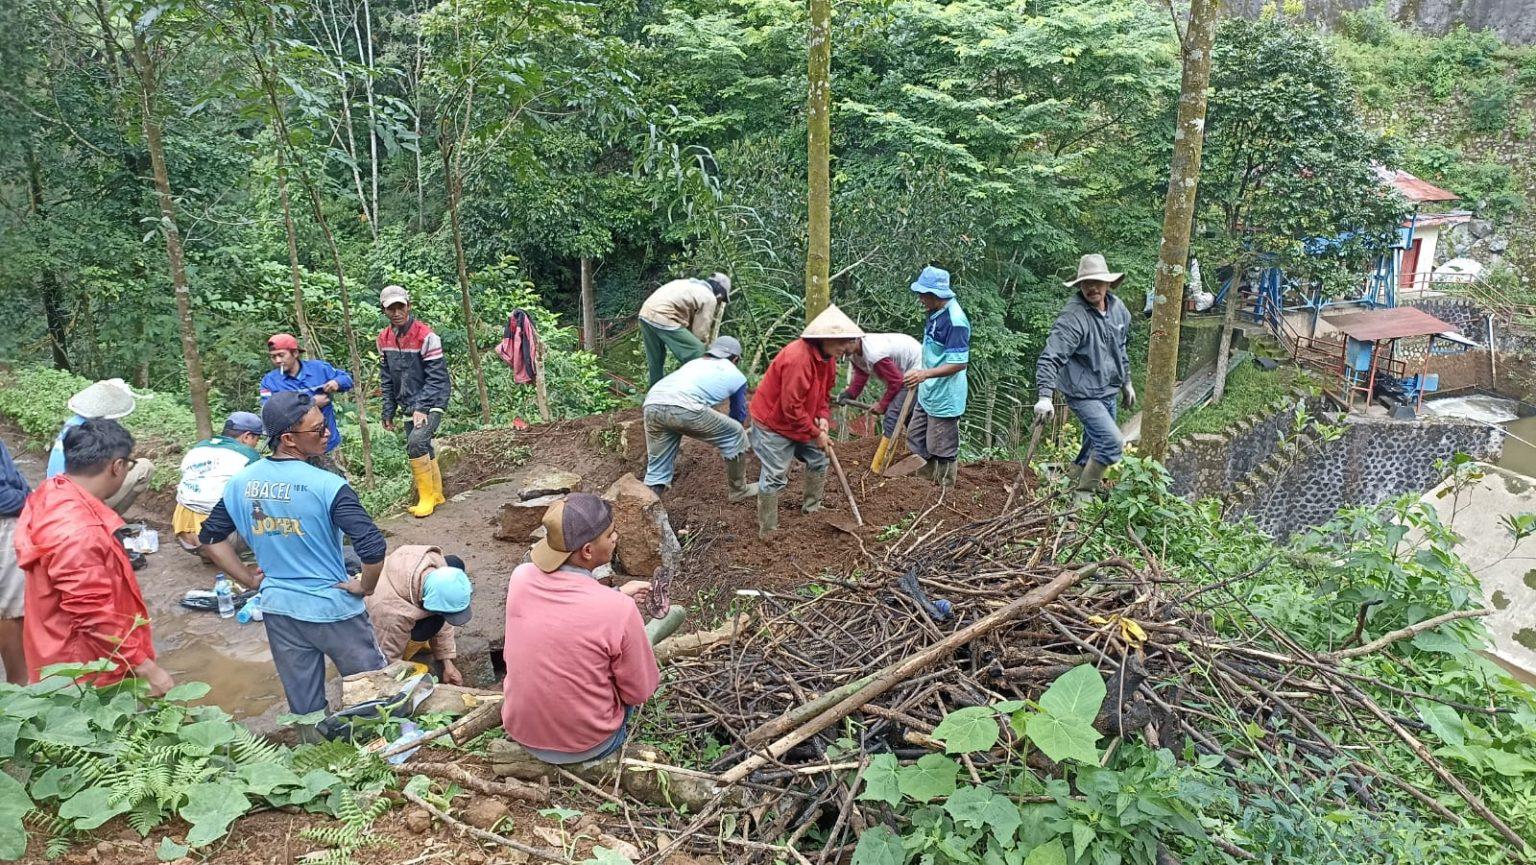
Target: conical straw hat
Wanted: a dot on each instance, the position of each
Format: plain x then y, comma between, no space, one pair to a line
110,399
832,324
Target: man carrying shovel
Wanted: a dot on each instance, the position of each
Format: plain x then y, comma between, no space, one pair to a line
791,413
1085,360
933,433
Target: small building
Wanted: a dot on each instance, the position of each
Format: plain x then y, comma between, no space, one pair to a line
1419,235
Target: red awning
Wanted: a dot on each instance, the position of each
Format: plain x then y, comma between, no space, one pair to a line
1377,324
1412,188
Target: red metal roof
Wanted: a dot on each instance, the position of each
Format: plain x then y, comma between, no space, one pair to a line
1412,188
1378,324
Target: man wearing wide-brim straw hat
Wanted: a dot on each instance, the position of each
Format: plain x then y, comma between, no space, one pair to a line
791,413
1085,361
111,399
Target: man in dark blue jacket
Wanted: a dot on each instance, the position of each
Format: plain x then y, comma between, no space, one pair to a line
290,371
13,496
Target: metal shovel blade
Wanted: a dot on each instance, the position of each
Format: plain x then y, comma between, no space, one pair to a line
842,523
907,466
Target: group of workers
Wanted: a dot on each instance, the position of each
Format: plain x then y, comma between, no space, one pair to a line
578,656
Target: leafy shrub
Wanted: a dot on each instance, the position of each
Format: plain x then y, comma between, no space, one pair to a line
1489,103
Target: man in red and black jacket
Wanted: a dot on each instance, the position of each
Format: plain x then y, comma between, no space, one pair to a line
791,413
413,377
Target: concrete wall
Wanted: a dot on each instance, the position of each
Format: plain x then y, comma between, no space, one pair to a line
1374,460
1472,370
1512,20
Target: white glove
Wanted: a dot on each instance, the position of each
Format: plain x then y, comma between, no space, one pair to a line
1128,394
1044,408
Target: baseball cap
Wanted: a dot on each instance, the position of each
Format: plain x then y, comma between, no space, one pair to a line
578,519
283,412
393,294
244,421
283,342
725,346
446,591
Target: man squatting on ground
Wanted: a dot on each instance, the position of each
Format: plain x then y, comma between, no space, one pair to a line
1085,361
933,433
413,378
682,404
206,470
293,515
314,377
679,317
791,413
82,599
422,597
106,400
578,658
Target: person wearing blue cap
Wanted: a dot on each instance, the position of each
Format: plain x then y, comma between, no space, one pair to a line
206,469
422,597
933,432
682,405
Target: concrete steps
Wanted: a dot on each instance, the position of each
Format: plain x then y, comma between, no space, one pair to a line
1268,473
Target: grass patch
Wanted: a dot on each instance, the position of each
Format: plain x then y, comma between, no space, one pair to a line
1250,391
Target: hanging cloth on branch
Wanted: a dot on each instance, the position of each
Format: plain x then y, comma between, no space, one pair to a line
519,347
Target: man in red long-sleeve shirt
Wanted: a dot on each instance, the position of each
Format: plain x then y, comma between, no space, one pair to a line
791,413
578,659
82,599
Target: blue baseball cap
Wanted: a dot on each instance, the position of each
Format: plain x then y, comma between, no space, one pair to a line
934,281
446,591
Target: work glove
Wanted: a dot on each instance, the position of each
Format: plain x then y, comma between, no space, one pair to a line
1128,394
1044,408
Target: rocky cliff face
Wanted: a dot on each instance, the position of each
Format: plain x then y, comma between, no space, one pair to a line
1513,20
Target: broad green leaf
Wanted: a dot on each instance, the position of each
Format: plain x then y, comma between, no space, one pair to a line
263,778
59,782
604,856
931,777
968,805
63,725
10,730
1437,641
208,735
71,670
14,802
210,809
1082,836
1507,764
1062,739
1444,721
880,780
1077,694
881,846
968,730
1049,853
187,692
170,851
92,807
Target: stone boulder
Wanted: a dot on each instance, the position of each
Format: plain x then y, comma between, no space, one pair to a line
538,481
646,539
519,521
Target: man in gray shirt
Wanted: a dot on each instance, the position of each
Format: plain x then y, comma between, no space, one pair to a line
1085,360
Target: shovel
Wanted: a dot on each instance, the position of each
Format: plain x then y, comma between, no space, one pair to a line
1029,454
841,523
889,446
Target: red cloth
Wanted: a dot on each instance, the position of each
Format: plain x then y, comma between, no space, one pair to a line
889,373
576,654
796,391
82,599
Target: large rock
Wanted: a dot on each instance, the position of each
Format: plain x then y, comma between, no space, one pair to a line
518,521
646,539
542,480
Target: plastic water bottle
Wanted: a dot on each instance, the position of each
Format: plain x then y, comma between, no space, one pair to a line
251,612
224,590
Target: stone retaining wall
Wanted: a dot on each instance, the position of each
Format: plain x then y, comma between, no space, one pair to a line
1212,464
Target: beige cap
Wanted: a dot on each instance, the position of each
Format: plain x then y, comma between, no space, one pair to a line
110,399
393,294
832,324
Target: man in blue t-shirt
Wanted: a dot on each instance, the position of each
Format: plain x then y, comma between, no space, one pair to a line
314,377
293,516
933,432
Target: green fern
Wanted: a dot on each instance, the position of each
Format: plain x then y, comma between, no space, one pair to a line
59,833
145,815
251,748
351,833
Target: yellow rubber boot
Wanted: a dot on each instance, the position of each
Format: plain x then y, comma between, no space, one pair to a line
427,496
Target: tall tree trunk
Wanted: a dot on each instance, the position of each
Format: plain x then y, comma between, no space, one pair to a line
1228,324
373,119
588,307
48,279
1178,213
818,251
196,384
455,189
300,317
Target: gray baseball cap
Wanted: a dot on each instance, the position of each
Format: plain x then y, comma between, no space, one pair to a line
725,346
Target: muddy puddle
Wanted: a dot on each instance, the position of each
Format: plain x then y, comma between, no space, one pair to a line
1519,454
1520,447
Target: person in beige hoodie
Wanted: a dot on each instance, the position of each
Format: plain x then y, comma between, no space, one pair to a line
422,597
680,317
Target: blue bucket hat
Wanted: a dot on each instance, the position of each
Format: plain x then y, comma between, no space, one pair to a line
934,281
446,591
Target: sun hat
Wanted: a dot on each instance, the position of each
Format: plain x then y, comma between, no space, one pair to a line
393,294
244,422
446,591
1092,266
934,281
108,400
283,412
832,324
725,347
282,342
576,520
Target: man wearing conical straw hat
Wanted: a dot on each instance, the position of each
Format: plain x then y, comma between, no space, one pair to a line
791,413
1085,361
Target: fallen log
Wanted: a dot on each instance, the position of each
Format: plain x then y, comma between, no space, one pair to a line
698,642
904,669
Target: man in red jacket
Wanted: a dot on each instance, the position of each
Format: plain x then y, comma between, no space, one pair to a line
791,413
82,599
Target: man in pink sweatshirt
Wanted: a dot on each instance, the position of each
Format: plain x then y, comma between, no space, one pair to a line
578,660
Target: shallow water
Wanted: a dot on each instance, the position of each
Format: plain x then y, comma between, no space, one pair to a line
1520,456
